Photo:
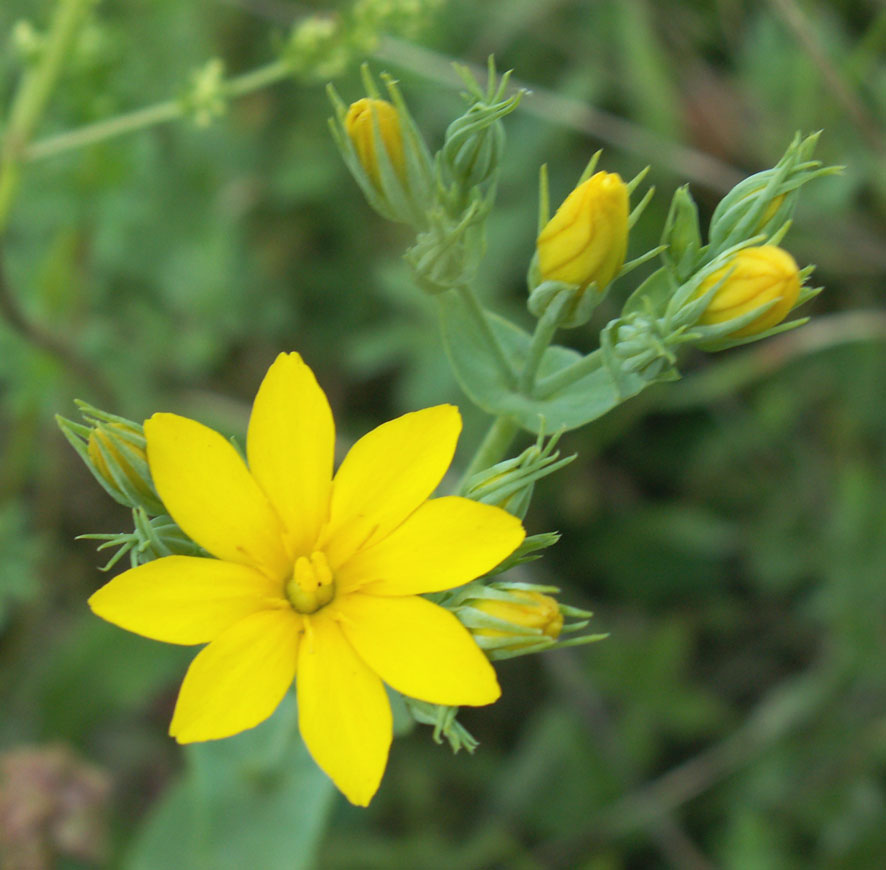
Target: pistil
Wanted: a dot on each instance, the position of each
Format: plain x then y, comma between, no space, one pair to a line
311,585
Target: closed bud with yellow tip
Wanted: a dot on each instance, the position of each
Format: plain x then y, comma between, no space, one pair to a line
750,279
531,610
113,449
586,240
385,152
360,122
514,619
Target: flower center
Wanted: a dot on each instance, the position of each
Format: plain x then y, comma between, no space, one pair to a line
311,585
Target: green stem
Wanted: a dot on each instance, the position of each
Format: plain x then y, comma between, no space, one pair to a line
150,116
493,447
569,375
478,313
27,108
32,95
545,329
259,78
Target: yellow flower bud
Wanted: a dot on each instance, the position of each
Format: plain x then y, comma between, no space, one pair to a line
113,447
587,239
533,611
756,276
360,129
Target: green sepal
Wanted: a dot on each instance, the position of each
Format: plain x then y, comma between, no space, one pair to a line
151,538
509,484
447,253
577,304
682,235
445,724
728,343
528,551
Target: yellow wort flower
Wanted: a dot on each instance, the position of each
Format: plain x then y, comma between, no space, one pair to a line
755,276
532,610
360,129
587,239
313,575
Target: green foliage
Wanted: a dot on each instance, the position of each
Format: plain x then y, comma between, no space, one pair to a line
19,581
256,799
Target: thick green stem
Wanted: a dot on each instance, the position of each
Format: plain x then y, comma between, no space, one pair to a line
569,375
150,116
493,447
478,313
32,95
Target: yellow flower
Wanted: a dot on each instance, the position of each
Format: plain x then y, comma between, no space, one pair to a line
313,575
534,611
756,276
360,129
587,239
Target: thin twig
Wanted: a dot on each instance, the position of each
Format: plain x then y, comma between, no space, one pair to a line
150,116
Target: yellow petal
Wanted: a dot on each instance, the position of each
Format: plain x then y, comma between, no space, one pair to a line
184,599
418,648
239,679
445,543
205,486
343,711
290,448
386,475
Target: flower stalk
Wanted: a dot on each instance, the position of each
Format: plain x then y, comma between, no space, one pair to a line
32,96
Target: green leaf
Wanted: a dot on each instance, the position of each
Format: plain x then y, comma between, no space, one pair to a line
479,375
254,800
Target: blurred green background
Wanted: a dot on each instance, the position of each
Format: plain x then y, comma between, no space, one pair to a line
727,530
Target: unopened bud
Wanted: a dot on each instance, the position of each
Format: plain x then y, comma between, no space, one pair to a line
751,194
385,152
509,484
507,622
750,279
113,449
586,240
473,148
528,610
763,202
514,619
360,124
